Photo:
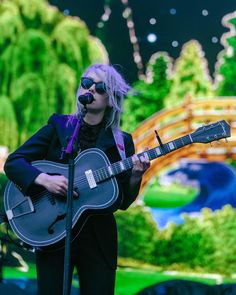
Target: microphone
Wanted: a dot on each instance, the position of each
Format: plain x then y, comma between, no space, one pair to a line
86,98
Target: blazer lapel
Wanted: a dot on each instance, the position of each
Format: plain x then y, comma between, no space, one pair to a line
64,130
105,140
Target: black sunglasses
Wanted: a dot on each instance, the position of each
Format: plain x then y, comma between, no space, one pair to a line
86,83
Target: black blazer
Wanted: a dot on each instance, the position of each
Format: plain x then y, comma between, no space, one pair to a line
47,144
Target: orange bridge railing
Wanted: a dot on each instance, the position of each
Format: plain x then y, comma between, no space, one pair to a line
184,119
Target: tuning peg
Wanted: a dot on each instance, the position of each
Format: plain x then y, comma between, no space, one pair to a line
158,138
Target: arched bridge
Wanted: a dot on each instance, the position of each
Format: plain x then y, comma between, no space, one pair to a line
182,120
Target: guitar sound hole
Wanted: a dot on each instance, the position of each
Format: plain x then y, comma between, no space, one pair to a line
50,231
50,228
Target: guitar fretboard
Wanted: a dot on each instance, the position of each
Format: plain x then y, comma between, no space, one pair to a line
107,172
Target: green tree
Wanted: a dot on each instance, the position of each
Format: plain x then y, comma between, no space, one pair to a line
8,126
42,55
190,75
200,243
226,61
206,243
147,96
186,244
221,227
137,234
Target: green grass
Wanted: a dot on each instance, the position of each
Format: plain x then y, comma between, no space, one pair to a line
129,281
15,273
168,197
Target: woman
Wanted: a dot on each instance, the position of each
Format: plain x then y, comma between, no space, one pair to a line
94,250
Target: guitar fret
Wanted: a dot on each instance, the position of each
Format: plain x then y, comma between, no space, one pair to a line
103,172
158,151
110,170
178,142
152,154
126,164
171,145
100,171
106,173
190,137
96,176
129,163
116,168
186,140
122,167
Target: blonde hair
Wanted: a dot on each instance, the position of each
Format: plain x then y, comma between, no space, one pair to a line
116,88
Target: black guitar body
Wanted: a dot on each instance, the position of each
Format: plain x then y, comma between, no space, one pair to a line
39,220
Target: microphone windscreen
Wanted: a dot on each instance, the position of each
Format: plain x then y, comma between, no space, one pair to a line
86,98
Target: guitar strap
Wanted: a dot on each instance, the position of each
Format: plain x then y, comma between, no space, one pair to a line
119,140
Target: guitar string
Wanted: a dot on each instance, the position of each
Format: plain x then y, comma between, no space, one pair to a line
81,181
99,174
102,173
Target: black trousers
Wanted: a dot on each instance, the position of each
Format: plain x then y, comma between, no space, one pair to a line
96,276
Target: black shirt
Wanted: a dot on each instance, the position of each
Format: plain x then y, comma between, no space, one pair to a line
88,135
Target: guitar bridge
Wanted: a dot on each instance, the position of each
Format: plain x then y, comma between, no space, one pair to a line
90,178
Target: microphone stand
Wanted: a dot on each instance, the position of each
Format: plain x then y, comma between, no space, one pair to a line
70,149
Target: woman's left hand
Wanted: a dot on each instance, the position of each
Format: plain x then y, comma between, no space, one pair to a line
140,164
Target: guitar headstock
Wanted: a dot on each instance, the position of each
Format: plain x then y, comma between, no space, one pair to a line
211,132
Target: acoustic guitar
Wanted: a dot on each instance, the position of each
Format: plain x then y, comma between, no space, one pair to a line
39,220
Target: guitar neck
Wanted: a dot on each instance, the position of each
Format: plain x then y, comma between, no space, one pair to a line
116,168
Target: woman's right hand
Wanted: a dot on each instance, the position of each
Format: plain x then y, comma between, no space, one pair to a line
57,184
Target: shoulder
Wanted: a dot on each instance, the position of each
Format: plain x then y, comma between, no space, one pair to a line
63,125
127,136
60,120
121,132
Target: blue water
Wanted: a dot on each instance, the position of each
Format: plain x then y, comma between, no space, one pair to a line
217,187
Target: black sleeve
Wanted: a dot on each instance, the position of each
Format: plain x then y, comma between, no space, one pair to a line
18,166
128,195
